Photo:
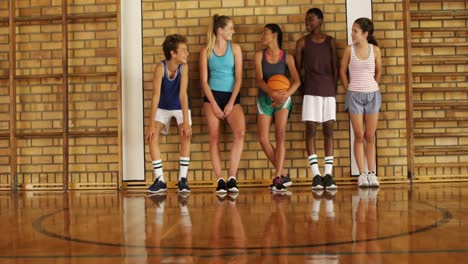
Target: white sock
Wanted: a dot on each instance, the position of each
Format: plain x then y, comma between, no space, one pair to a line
329,165
313,162
158,170
183,165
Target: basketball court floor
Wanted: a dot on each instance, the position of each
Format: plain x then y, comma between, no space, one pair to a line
423,223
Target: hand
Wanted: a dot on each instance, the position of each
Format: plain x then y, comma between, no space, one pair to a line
217,111
150,133
228,109
186,130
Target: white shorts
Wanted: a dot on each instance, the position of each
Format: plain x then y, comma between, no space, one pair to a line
165,116
318,108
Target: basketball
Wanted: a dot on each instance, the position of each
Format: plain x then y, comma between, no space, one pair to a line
279,83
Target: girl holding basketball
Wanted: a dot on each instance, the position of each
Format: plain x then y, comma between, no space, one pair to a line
221,60
272,103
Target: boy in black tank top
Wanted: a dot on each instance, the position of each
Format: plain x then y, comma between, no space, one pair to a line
316,59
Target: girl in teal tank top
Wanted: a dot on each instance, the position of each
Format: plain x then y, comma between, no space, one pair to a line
221,79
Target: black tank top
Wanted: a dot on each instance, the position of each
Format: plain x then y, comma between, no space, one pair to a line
318,68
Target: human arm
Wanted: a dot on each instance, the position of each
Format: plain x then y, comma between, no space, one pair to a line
186,129
237,52
344,67
157,80
378,64
334,59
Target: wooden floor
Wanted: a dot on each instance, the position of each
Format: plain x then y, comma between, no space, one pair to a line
425,223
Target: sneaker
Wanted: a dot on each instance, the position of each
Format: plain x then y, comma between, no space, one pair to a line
221,186
317,182
278,185
286,180
232,185
329,182
372,178
362,180
183,186
157,187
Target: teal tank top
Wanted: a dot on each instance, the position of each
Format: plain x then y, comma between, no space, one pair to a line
221,71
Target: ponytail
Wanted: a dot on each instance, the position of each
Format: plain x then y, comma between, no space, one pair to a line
367,25
217,21
276,29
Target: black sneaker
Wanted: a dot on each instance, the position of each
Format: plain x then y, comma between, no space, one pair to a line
317,183
221,186
232,185
183,186
278,185
286,180
329,182
157,187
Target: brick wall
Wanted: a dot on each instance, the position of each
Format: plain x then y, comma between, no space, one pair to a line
93,101
191,18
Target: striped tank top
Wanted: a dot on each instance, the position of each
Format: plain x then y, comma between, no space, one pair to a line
170,89
362,72
221,70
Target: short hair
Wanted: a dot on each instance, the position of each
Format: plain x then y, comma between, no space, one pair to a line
171,43
316,12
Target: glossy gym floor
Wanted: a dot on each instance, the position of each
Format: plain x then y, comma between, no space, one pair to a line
419,223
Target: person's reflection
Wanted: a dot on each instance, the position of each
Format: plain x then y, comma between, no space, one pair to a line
276,233
227,231
182,233
365,227
322,228
155,228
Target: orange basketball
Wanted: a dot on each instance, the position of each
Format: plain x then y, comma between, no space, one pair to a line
279,83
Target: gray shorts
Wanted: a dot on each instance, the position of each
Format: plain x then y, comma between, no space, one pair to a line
363,103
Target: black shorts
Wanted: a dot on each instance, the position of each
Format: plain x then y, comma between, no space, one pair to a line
222,98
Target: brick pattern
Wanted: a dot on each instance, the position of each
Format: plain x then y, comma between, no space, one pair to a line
94,160
4,50
39,49
192,18
40,161
93,101
440,86
92,104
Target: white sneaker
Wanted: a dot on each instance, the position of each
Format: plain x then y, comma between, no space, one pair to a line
373,182
362,180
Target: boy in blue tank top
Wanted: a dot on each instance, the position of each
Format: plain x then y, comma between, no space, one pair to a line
170,99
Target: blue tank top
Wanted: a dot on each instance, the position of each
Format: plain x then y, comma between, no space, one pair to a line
221,71
271,69
170,89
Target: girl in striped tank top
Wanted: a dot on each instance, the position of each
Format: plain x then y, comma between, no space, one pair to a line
363,98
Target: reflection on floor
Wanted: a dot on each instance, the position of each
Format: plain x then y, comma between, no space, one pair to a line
424,223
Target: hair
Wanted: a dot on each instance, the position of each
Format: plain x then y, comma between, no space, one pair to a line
217,22
367,25
171,43
316,11
276,29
